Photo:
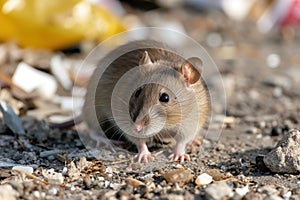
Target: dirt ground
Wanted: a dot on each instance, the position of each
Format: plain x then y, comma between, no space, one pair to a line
261,79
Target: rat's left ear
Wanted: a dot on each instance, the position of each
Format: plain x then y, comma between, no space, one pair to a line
191,69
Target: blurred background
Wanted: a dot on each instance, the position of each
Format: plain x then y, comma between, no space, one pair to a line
255,44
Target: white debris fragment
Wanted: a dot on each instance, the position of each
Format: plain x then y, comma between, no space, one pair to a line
30,79
51,175
203,179
69,103
26,169
59,68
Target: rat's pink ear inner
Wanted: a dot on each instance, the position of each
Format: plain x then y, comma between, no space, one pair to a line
190,73
145,59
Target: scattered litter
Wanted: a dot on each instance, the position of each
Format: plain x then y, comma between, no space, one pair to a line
53,176
59,68
41,82
26,169
11,119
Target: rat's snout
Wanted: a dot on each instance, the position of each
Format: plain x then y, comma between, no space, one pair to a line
140,124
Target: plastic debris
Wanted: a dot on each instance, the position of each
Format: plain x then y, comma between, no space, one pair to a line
11,119
41,82
59,68
27,169
56,24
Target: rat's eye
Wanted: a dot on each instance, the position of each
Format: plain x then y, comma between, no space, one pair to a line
138,92
164,97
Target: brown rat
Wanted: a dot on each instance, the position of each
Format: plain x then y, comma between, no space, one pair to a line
144,91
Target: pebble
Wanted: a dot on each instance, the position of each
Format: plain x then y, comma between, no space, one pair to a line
276,131
241,192
216,174
178,176
273,60
279,81
253,196
268,189
285,157
203,179
218,191
273,197
8,193
134,182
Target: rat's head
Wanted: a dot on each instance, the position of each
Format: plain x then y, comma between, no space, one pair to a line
166,96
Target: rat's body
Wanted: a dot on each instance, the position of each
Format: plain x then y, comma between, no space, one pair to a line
164,97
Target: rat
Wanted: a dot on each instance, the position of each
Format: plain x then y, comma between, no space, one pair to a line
162,96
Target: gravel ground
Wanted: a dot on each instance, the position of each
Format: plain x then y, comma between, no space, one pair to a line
261,79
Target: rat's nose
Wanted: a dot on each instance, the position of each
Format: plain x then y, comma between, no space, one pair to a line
140,124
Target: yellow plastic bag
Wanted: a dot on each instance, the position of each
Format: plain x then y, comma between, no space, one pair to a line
54,24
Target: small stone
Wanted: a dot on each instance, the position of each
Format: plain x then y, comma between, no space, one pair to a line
276,131
53,191
203,179
173,196
178,176
134,182
218,191
216,174
285,157
87,182
287,195
253,196
252,130
273,60
269,190
241,192
8,193
273,197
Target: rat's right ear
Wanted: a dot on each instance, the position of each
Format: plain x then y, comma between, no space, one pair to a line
145,59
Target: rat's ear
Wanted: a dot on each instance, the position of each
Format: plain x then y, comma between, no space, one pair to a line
145,59
191,69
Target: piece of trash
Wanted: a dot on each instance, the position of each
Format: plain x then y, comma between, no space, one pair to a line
26,169
59,68
53,176
281,13
69,103
30,80
56,26
10,118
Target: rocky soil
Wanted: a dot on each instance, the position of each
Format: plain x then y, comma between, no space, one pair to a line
261,80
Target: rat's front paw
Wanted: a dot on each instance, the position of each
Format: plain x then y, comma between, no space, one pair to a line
144,157
180,158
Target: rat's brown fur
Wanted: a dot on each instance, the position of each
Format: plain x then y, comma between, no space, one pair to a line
166,68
